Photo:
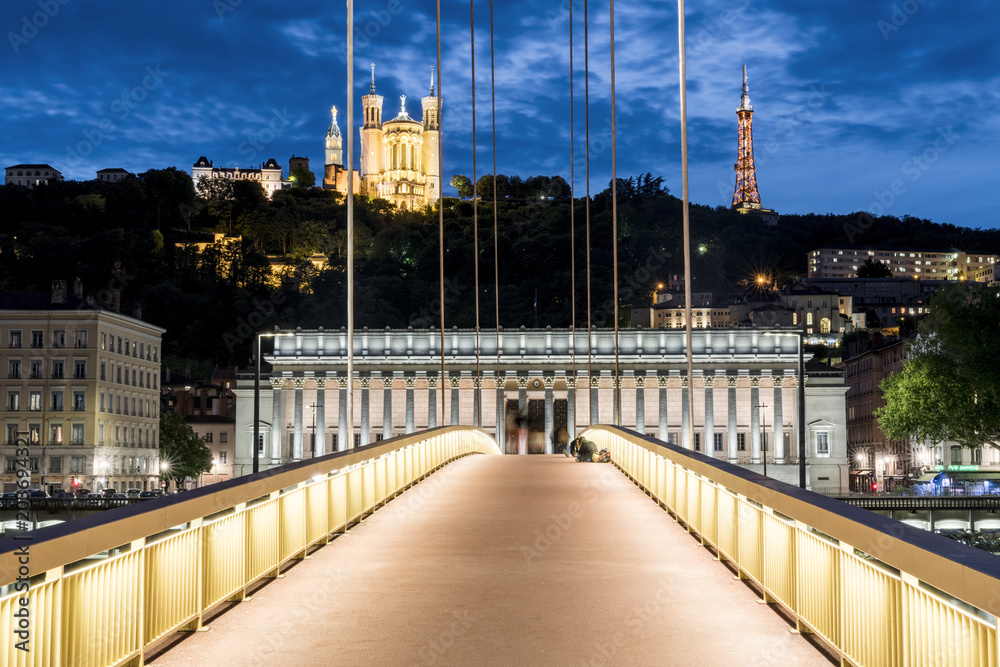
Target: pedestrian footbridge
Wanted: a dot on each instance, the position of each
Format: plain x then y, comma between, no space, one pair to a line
414,552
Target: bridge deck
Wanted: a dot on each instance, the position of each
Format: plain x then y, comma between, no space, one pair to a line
505,561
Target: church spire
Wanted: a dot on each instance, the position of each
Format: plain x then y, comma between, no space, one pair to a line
373,78
432,81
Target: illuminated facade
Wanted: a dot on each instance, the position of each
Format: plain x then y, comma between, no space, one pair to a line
399,158
268,174
917,264
80,384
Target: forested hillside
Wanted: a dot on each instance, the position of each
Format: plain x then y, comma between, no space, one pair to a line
124,235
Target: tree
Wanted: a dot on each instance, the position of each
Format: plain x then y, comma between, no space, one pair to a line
874,269
463,184
302,178
184,453
947,390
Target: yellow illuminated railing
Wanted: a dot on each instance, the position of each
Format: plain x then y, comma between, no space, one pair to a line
105,587
878,592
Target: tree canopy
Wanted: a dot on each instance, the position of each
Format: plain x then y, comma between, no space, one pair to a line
184,453
948,389
874,269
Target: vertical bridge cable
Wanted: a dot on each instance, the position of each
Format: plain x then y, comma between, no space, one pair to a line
687,230
586,126
614,222
475,214
440,193
350,228
501,405
572,224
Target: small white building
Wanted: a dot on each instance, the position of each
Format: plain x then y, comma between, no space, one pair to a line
268,174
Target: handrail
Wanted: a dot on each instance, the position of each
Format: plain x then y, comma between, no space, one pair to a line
105,587
878,591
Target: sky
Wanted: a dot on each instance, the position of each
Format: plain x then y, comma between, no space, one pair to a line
887,107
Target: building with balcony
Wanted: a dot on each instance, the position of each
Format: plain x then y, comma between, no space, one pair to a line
80,390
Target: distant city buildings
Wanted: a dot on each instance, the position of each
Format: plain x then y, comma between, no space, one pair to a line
267,174
31,175
209,409
913,264
79,383
112,175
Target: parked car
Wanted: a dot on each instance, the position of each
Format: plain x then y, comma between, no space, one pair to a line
119,496
63,493
150,494
83,493
37,493
133,493
108,492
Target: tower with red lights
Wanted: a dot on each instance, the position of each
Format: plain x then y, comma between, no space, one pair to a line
746,198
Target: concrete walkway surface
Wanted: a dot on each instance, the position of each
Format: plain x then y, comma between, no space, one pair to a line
505,560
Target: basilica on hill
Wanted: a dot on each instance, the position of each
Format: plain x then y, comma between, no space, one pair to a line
399,157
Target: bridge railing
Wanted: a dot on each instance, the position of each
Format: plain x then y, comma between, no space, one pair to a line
878,592
103,588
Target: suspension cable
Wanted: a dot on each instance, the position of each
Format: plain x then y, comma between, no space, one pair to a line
440,193
350,229
476,390
572,219
614,222
501,407
586,125
687,230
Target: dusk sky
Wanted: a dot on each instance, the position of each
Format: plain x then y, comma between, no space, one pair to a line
852,100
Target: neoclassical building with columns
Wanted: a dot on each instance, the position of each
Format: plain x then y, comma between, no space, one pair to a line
745,385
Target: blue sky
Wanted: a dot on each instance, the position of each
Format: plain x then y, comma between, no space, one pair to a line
886,106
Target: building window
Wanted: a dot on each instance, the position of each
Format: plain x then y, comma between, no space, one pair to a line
76,465
697,442
956,455
79,402
34,401
104,370
822,443
223,438
76,434
15,338
80,370
35,372
104,340
717,438
11,466
55,464
672,438
80,338
11,434
58,370
57,401
223,456
37,338
260,444
55,434
741,442
13,401
59,338
34,433
14,369
119,345
208,437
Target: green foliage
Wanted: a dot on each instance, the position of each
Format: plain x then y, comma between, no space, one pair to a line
874,269
302,178
185,454
947,390
463,184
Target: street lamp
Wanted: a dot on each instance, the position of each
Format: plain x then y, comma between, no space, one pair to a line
802,401
256,397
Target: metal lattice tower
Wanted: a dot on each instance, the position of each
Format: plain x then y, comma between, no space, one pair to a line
745,195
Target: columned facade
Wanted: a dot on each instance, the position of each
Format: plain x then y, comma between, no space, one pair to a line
745,391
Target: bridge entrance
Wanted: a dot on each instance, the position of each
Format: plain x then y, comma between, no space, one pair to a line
534,423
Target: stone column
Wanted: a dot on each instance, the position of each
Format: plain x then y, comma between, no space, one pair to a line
432,383
522,395
755,419
455,383
709,449
410,381
732,426
661,381
277,421
344,439
320,416
595,399
549,417
501,413
571,406
476,398
366,382
387,407
640,404
686,441
779,428
296,452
